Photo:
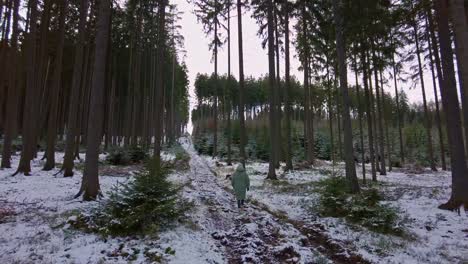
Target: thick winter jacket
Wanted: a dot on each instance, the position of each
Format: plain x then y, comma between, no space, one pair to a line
240,182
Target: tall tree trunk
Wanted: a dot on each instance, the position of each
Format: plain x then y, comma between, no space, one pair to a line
243,138
278,147
171,127
11,122
229,101
460,28
430,151
159,95
399,119
369,114
361,131
330,114
90,184
339,128
287,91
452,112
72,126
436,99
374,118
43,71
348,133
385,124
215,110
307,119
54,95
378,98
271,84
29,121
4,53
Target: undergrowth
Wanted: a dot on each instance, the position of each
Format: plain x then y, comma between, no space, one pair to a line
125,156
182,158
366,208
145,205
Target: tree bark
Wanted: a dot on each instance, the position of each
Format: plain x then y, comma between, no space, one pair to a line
307,120
374,118
4,53
452,112
228,102
399,119
243,139
215,106
54,95
72,127
348,133
460,28
330,114
361,131
369,115
271,84
287,91
90,183
11,122
278,147
385,124
29,122
381,137
159,95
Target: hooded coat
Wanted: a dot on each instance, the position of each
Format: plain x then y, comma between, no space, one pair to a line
240,182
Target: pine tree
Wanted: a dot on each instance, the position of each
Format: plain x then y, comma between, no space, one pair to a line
90,183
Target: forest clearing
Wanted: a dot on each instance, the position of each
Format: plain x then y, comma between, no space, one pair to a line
234,131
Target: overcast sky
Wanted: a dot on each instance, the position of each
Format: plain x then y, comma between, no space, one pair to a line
198,57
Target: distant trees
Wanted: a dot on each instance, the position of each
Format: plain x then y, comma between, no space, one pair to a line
111,94
383,39
209,13
106,73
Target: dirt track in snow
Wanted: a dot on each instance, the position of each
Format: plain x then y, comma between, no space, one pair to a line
257,234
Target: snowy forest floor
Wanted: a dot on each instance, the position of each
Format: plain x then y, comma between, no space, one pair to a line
278,225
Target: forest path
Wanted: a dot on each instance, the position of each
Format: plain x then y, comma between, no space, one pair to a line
256,234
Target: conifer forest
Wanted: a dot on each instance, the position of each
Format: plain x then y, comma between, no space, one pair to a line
234,131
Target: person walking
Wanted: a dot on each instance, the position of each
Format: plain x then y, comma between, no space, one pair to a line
241,183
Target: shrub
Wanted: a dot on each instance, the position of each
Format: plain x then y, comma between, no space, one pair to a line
145,205
137,154
204,144
118,156
122,157
365,209
182,158
322,146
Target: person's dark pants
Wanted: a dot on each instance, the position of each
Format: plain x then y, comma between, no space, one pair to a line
240,203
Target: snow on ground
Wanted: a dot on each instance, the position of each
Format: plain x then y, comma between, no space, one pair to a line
37,231
434,235
250,235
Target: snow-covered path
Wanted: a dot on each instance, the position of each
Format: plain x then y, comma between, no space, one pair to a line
255,234
216,231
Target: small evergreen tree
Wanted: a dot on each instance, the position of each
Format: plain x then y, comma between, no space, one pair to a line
145,205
